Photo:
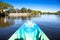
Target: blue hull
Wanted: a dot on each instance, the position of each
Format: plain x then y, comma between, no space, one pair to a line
29,31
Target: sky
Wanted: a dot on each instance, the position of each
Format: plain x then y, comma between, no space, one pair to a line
42,5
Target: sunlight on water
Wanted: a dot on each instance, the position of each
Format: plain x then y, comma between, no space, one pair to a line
29,31
29,24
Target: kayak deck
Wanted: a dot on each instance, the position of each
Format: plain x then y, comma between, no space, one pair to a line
29,31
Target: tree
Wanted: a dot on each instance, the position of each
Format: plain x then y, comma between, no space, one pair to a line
39,12
29,10
35,12
58,12
23,10
12,11
4,5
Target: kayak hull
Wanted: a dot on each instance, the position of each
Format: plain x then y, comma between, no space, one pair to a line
29,31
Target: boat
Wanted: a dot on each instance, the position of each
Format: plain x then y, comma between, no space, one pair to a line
29,31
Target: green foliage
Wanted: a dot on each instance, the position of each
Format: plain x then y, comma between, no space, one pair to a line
35,12
23,10
4,5
58,12
12,11
29,10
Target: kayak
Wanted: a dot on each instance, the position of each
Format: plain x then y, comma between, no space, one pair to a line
29,31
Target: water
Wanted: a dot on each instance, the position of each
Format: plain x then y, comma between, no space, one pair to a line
50,24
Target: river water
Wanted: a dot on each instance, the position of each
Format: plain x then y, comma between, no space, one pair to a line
49,23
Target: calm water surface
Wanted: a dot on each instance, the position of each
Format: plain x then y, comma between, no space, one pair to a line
50,24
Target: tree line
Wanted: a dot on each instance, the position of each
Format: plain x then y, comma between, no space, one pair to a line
11,9
24,10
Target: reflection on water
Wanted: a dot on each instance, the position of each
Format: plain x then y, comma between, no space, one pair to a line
50,24
8,21
3,22
44,18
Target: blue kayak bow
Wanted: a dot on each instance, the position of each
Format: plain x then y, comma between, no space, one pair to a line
29,31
